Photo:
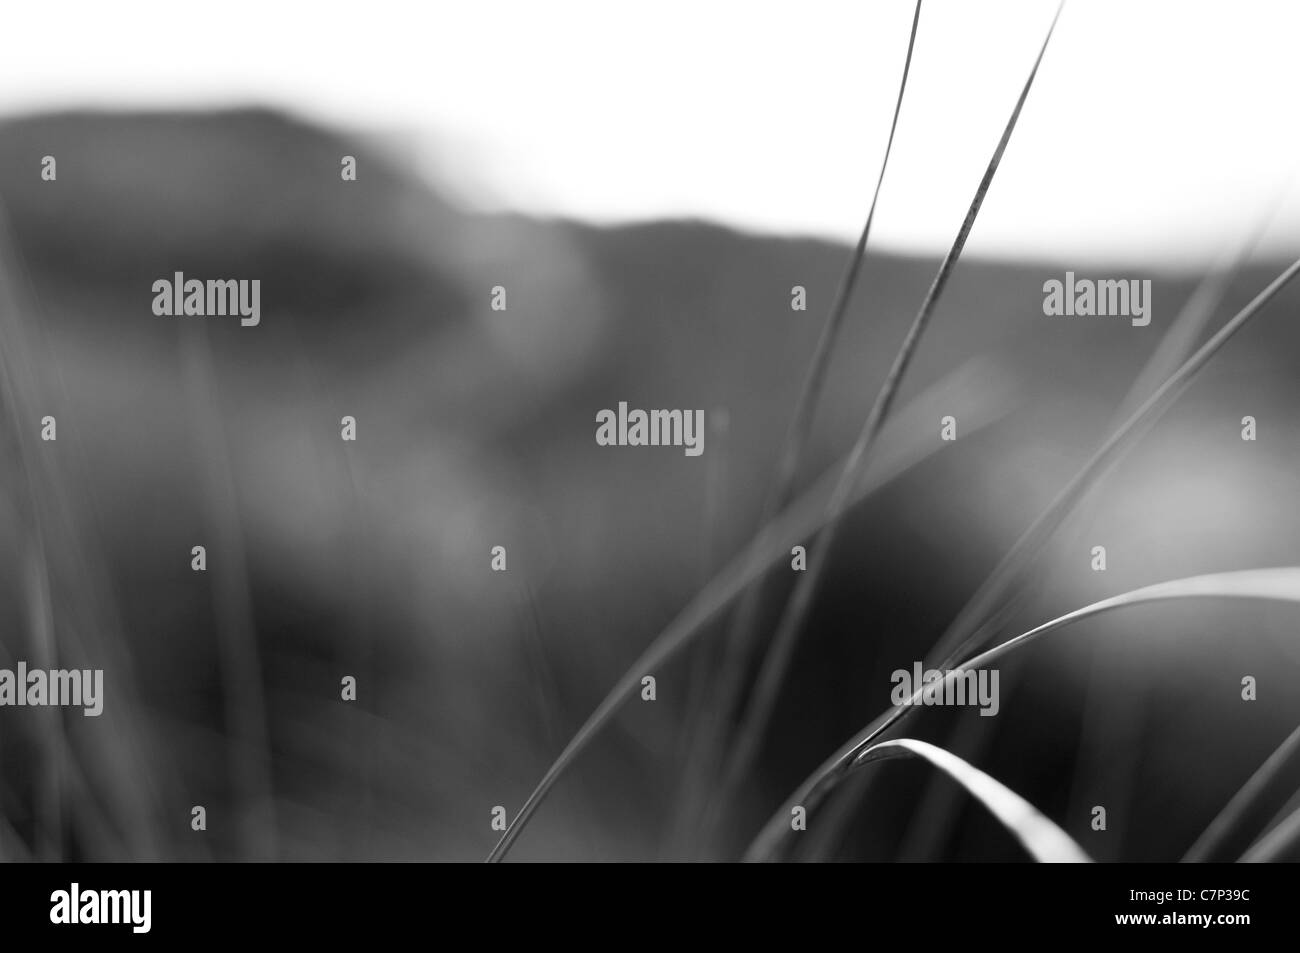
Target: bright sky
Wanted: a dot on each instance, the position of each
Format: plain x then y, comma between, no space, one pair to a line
1156,129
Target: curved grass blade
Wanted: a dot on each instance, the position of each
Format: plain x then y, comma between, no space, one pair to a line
933,820
1280,584
1044,841
1105,457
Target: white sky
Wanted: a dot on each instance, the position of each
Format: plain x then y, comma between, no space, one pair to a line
1156,129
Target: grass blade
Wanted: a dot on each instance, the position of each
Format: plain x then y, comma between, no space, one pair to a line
932,821
984,604
993,594
1044,841
772,673
1280,584
801,423
1277,844
987,388
1234,813
739,645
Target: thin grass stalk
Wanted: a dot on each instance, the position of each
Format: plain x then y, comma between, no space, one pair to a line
743,635
772,672
1278,844
986,389
1232,818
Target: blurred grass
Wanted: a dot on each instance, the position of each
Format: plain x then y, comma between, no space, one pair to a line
475,430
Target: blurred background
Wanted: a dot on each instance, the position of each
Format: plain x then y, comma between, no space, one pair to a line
648,186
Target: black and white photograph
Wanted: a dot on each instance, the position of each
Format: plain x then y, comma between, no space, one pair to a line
697,432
